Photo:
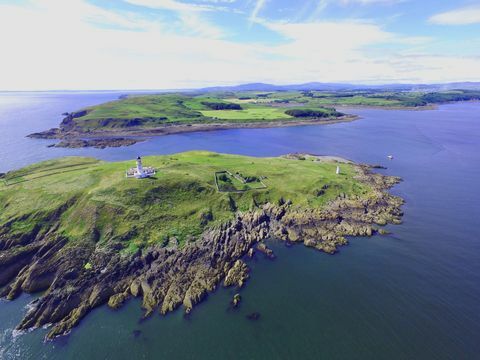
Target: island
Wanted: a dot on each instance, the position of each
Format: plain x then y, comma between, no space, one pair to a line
170,229
134,118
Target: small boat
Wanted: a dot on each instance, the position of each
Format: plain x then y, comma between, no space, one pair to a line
390,157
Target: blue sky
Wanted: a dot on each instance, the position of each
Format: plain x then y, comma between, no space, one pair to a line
154,44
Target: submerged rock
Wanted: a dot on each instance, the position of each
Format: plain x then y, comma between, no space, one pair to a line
253,316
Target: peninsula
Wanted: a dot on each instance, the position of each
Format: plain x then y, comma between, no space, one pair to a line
137,117
84,234
132,118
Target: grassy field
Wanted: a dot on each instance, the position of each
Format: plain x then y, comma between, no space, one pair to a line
93,200
252,113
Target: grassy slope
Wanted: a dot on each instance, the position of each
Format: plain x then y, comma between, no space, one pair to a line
106,205
158,109
148,111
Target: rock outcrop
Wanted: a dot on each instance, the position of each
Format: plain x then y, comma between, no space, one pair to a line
97,143
167,278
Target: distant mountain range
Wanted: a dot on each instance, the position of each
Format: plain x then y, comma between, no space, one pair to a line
346,87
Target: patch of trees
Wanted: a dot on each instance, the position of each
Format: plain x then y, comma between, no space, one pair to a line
309,113
451,96
311,94
221,106
430,98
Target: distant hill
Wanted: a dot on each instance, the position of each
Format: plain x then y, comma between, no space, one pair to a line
345,87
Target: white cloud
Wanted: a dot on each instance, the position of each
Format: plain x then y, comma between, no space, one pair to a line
58,45
462,16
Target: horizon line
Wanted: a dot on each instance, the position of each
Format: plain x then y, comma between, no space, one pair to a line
246,84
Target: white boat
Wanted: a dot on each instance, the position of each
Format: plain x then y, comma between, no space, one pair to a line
390,157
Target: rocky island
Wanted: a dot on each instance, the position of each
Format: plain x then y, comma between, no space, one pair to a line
82,233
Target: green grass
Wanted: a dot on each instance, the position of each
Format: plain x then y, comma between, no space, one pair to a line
145,111
252,113
93,201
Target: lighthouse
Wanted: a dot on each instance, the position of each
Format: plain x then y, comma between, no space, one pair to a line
139,166
139,171
338,170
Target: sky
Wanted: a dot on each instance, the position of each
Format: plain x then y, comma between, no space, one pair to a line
178,44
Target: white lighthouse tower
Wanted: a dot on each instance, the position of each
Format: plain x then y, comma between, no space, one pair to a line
139,166
139,171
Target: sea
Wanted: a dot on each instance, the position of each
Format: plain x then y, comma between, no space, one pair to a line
413,294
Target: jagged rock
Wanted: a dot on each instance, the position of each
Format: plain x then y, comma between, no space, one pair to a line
135,288
236,300
117,300
265,250
237,274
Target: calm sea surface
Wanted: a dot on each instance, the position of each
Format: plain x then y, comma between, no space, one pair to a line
414,294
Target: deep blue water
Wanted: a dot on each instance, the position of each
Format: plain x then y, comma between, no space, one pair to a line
414,294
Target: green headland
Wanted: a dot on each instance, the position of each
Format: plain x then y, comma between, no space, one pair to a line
85,234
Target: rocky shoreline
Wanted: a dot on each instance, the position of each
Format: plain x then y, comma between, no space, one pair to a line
167,278
75,137
96,143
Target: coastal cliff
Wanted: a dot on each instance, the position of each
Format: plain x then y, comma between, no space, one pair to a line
99,266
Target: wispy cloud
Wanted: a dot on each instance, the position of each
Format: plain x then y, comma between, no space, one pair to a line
171,5
461,16
321,5
189,14
370,2
259,4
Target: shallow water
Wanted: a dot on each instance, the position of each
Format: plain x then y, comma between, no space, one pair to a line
412,294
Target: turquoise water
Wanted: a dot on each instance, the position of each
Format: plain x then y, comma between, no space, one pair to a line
410,295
